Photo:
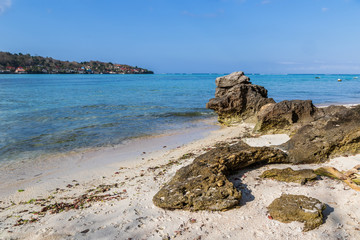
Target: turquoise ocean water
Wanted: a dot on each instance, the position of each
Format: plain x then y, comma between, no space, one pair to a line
55,113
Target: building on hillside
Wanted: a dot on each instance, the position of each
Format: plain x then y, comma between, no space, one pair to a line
9,68
20,70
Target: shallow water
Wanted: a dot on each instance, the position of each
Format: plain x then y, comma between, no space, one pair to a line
55,113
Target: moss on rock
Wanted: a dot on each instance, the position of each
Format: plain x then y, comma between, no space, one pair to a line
289,208
290,175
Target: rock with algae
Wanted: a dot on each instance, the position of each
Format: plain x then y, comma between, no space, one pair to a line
290,175
203,185
289,208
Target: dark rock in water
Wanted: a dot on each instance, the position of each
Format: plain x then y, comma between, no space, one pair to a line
330,135
289,208
290,175
286,115
237,99
203,184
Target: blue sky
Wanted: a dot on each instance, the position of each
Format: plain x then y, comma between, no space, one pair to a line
173,36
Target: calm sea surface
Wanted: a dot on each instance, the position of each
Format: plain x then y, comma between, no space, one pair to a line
53,113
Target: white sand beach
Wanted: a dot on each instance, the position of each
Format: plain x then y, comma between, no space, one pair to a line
128,212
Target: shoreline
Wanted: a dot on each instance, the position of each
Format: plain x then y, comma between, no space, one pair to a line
95,161
108,192
134,215
55,168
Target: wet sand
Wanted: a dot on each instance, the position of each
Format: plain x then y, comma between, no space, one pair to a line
53,170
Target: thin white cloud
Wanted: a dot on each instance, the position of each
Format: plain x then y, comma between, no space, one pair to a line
4,4
265,2
324,9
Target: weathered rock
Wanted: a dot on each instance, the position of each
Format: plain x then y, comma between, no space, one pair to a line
236,99
285,116
203,184
290,175
300,208
330,135
232,79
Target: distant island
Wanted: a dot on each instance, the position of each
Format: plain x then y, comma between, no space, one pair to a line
25,63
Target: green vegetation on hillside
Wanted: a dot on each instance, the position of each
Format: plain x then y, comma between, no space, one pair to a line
25,63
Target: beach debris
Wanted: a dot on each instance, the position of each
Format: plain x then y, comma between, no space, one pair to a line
203,185
350,177
222,144
192,220
83,201
290,175
289,208
236,99
85,231
21,190
21,221
187,156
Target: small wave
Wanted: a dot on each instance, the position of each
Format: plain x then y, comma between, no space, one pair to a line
186,114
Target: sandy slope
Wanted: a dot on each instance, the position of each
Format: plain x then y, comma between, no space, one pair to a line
133,216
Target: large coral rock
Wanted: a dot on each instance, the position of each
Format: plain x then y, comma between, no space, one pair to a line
203,184
290,175
232,79
236,98
289,208
285,116
330,136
